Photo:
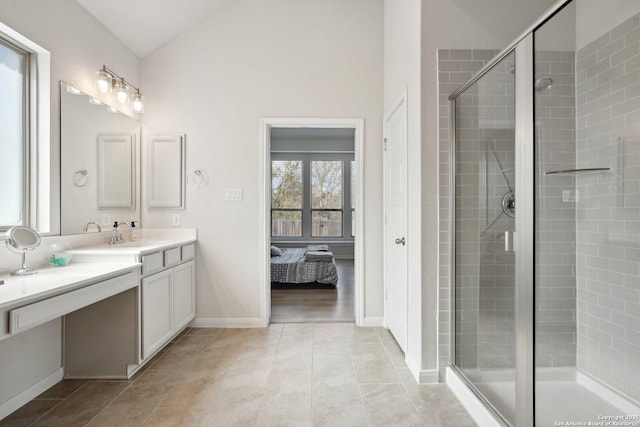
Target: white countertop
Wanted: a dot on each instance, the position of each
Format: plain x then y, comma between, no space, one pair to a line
56,280
149,241
129,248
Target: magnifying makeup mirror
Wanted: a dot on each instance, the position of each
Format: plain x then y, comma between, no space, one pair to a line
21,239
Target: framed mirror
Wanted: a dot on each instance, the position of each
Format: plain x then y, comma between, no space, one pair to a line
100,163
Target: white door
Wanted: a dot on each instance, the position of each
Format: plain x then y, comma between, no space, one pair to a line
395,230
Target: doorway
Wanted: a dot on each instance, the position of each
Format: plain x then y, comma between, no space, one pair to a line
312,195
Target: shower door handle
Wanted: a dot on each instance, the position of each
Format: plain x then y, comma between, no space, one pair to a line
400,241
509,241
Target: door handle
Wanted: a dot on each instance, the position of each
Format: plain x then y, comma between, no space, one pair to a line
400,241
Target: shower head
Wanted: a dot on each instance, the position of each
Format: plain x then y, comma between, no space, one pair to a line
543,83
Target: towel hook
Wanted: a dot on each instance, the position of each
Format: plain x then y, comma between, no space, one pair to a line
80,178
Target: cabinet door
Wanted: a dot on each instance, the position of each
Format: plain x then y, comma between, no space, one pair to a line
156,311
166,171
184,295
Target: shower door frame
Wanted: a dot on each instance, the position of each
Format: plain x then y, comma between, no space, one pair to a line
523,47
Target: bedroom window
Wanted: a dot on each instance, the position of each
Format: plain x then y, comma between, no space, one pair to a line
354,187
286,198
312,196
326,198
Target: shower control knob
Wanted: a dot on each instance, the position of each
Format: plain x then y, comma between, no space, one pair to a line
400,241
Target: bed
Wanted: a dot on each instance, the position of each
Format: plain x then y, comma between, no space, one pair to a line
293,268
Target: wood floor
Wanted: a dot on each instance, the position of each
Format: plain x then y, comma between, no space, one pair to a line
317,305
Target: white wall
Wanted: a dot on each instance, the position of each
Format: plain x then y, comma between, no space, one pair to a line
253,59
79,45
454,24
402,73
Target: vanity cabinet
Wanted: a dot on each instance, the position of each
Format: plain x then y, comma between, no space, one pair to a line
156,311
168,296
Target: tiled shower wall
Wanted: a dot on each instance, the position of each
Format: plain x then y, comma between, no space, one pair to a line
608,211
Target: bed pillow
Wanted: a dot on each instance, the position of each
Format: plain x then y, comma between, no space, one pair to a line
276,251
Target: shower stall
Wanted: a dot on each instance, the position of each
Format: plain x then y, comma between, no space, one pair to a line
545,209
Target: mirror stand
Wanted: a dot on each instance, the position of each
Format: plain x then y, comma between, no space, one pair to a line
24,271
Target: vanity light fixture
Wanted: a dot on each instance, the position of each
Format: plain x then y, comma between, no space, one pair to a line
107,81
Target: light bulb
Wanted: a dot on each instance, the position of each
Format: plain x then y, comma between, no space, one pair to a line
112,110
74,90
137,102
95,101
103,81
122,94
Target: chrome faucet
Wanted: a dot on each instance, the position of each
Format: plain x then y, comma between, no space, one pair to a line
86,226
117,237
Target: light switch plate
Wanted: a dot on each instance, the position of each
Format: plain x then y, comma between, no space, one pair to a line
106,219
233,194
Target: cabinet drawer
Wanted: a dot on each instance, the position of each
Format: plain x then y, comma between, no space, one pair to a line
35,314
171,257
188,252
152,263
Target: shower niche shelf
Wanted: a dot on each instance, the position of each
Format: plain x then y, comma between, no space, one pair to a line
576,171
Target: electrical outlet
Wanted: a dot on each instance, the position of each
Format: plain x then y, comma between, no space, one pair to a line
106,219
175,219
233,194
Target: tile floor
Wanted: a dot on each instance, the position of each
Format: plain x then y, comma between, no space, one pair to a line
302,374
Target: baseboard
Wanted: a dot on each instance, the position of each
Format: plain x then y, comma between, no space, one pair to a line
617,399
372,321
25,396
429,376
480,414
227,322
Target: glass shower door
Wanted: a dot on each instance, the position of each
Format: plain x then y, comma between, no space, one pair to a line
485,291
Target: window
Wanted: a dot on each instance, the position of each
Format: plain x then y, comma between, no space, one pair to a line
24,132
326,198
312,196
354,191
13,136
286,198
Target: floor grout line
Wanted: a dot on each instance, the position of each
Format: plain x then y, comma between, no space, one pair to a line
59,403
110,402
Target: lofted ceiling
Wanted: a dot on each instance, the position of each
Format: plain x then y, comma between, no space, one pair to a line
144,25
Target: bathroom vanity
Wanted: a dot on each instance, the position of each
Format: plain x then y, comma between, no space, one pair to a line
116,305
